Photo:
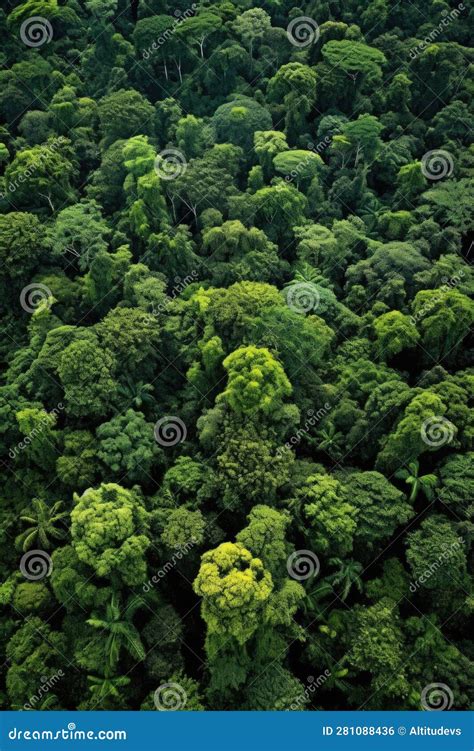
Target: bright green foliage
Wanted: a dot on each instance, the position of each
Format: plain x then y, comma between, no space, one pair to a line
108,532
256,381
183,528
406,442
359,140
235,587
80,232
328,516
451,203
444,320
22,241
351,57
251,224
298,165
32,598
267,145
395,332
265,536
197,29
43,175
239,253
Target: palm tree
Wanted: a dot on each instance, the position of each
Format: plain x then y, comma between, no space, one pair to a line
328,439
306,273
106,685
121,633
425,483
347,575
138,394
43,521
312,605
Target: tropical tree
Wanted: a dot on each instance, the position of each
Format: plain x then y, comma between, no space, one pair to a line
118,631
44,522
424,483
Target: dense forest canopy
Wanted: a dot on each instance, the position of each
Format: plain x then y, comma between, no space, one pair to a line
236,377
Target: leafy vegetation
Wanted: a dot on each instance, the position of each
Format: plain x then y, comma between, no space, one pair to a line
236,376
